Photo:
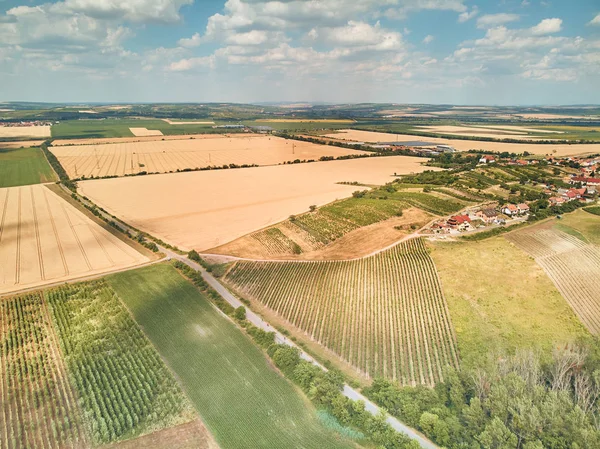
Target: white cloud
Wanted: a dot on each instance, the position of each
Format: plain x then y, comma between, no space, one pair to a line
190,42
547,26
130,10
363,36
493,20
595,20
191,63
468,15
428,39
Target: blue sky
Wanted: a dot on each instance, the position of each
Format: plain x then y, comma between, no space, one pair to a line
403,51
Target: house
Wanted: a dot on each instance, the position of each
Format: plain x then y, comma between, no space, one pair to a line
556,200
523,208
487,159
510,210
487,215
460,222
585,181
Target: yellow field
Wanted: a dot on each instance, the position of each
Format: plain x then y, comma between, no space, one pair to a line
21,144
320,120
202,210
193,122
107,140
172,155
24,131
465,145
143,132
43,239
484,131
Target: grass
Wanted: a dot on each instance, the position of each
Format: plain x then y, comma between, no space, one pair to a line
243,401
24,166
501,300
120,128
584,223
593,210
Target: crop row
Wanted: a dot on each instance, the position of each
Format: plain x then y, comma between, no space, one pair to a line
125,388
429,203
385,315
38,407
276,242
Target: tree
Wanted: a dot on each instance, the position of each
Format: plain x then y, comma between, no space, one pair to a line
240,313
312,207
286,358
497,436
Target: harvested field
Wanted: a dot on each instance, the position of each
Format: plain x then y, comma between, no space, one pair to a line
43,239
571,263
107,140
558,149
385,315
192,122
202,210
481,131
291,120
20,144
144,132
170,156
24,131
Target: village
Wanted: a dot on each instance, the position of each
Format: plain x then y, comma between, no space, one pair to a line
581,186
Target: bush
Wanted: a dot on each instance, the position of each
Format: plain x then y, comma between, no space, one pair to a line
240,313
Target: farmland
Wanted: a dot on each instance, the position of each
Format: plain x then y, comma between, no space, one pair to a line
90,129
385,315
235,202
558,149
12,132
44,239
23,166
128,158
241,399
500,301
125,388
37,405
571,263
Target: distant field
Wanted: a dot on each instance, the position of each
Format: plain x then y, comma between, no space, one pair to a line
243,401
44,239
300,124
572,263
233,203
558,149
20,144
172,155
125,389
24,131
385,315
501,300
89,129
24,166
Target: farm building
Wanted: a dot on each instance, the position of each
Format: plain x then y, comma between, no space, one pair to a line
487,159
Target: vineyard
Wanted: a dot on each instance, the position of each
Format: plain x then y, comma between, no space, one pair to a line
38,408
572,264
385,315
125,388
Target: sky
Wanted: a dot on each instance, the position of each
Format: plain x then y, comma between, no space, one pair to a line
477,52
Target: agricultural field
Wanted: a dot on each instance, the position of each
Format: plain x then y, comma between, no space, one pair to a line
500,300
385,315
20,144
100,128
493,132
125,389
109,140
144,132
235,202
12,132
24,166
159,156
38,408
43,239
571,263
242,400
558,149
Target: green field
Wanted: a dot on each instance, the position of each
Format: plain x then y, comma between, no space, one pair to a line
500,300
24,166
243,401
83,129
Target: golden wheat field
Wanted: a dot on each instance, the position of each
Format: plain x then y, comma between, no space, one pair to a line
158,156
202,210
43,239
558,149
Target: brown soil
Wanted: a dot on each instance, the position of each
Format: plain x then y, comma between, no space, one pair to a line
192,435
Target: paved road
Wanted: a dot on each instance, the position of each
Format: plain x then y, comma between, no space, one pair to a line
256,320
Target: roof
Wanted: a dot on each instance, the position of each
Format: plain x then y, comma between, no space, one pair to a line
511,207
459,219
582,179
489,212
523,206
